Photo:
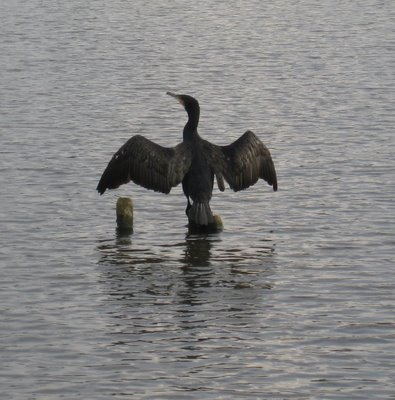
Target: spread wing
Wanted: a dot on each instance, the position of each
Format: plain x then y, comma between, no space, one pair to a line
147,164
242,163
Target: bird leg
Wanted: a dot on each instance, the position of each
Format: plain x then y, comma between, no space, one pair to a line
189,206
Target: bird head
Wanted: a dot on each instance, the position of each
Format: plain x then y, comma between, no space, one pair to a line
188,102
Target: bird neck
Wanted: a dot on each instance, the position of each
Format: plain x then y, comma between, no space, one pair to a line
190,129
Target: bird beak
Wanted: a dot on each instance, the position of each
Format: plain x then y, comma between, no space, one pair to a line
176,96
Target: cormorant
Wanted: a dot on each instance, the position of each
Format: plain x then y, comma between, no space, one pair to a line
194,162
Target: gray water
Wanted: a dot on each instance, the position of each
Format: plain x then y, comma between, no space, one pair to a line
295,299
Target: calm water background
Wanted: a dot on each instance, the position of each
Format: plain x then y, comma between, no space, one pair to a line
295,299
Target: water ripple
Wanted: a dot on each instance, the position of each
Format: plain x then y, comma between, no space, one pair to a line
294,299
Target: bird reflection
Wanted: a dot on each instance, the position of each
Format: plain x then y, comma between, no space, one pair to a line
197,251
180,272
197,271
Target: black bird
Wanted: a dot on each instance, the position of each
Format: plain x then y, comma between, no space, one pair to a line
194,162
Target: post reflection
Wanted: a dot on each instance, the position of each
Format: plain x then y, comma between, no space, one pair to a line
180,290
132,267
123,248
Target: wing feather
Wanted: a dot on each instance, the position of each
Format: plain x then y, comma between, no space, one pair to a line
147,164
243,162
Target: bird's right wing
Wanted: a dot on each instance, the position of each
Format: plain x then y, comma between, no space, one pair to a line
241,163
147,164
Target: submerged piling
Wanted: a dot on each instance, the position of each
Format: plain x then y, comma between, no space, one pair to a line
215,227
124,212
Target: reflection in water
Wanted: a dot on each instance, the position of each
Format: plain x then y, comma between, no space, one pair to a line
197,251
195,303
197,271
133,269
194,251
190,281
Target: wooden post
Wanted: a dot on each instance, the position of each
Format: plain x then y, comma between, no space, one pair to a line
124,211
125,214
214,227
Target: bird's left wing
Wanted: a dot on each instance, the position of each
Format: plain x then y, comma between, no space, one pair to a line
147,164
241,163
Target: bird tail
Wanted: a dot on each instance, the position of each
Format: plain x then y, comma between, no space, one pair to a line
200,213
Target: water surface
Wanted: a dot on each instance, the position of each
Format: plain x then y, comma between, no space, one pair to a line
295,299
